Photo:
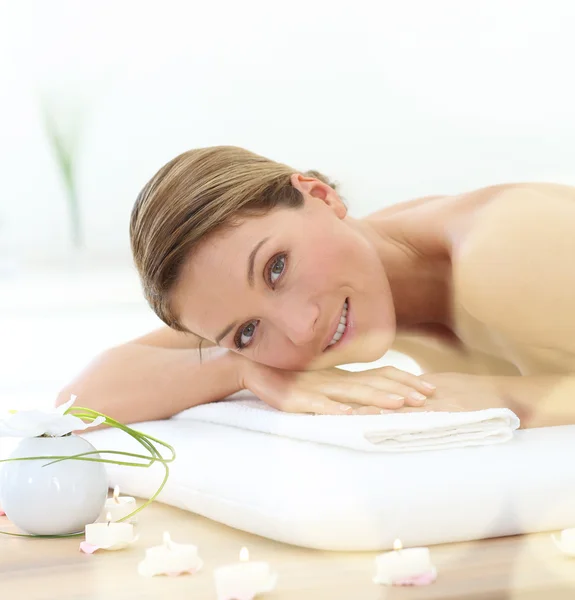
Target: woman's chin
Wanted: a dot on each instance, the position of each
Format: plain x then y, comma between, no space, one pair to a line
368,347
364,349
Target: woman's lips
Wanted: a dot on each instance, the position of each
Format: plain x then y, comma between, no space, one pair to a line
335,327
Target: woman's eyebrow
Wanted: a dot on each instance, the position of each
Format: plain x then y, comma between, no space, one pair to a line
251,263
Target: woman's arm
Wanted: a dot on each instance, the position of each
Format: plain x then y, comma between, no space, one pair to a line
434,355
155,377
544,400
538,400
160,374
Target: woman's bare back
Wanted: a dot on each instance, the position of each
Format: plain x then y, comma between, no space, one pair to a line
513,284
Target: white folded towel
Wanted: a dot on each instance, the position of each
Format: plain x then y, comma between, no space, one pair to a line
391,432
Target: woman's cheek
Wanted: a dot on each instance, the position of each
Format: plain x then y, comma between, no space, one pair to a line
288,360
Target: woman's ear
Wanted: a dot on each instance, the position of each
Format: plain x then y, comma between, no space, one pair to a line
314,188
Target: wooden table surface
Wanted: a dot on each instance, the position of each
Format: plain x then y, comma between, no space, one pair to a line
522,567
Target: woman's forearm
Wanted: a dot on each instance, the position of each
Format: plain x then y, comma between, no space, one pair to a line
545,400
135,382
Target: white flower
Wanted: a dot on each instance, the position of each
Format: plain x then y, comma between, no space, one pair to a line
52,422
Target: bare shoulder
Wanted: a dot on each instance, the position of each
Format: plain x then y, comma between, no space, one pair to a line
515,261
513,206
398,207
165,337
520,218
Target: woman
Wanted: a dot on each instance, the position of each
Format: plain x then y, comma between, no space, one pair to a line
263,264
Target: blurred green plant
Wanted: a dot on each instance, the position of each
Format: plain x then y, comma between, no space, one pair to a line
63,138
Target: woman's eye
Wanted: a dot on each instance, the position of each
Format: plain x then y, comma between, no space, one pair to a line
277,267
245,334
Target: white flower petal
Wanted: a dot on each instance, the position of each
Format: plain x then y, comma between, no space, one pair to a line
64,407
7,431
68,423
34,423
97,421
81,425
30,423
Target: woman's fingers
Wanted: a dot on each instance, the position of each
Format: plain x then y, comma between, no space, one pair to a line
359,393
303,401
415,382
394,390
337,391
397,382
292,392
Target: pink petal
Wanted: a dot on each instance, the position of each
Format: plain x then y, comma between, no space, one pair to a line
88,548
423,579
2,513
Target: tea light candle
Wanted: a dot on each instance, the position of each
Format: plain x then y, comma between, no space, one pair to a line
170,559
119,507
566,542
244,580
107,536
411,566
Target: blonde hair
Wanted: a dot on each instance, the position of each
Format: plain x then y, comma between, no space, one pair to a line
191,197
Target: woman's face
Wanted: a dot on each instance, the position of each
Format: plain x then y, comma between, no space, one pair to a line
277,288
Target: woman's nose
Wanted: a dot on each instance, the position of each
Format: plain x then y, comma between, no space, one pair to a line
299,322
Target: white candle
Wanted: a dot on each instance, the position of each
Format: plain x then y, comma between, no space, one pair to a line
404,566
109,536
243,580
566,542
119,507
170,559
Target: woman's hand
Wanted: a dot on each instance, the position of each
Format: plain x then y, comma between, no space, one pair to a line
463,392
335,391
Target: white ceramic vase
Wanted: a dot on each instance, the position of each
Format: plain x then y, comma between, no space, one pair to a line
57,499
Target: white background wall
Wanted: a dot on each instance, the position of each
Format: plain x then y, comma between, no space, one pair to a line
393,99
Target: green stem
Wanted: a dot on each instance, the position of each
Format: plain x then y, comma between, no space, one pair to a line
121,463
88,413
148,502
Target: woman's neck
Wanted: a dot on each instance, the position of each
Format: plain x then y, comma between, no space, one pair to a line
416,258
420,285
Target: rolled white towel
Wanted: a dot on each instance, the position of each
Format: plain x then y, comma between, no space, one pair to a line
391,432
